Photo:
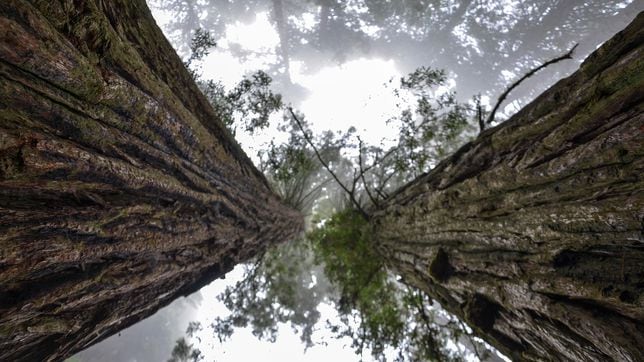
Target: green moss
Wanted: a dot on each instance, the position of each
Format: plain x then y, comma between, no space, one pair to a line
91,84
623,76
49,325
109,218
7,330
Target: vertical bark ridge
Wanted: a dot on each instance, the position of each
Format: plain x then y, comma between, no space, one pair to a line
120,190
532,233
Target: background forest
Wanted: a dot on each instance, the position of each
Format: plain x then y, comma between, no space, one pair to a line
451,61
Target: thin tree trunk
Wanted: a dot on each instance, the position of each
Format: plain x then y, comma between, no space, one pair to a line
120,190
533,233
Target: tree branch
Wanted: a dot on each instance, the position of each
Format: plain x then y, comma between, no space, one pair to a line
505,94
383,184
362,172
326,166
315,189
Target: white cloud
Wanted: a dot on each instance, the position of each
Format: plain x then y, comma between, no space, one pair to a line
351,94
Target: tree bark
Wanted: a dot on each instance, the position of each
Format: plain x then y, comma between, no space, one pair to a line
120,190
533,233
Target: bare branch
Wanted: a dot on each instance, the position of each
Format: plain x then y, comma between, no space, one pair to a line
362,172
316,188
505,94
383,184
326,166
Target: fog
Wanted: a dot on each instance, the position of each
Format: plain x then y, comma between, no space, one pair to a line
333,60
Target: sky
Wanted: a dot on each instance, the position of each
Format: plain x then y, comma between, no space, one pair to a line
356,92
243,346
339,95
203,306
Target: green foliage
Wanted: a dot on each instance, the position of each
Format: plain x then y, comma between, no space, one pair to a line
343,246
200,45
253,101
249,104
184,352
350,262
422,79
282,286
434,127
293,170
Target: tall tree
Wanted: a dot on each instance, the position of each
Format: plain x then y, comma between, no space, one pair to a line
120,189
532,233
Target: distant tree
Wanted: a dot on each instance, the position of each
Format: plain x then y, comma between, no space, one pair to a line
184,352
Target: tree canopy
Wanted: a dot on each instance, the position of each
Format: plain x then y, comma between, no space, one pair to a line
485,43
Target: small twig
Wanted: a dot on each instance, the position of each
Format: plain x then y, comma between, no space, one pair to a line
505,94
316,188
383,184
383,195
420,307
326,166
363,334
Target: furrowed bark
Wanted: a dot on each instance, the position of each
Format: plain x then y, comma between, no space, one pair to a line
532,233
120,190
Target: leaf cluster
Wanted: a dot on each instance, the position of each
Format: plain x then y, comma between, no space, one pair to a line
278,288
433,127
249,104
184,352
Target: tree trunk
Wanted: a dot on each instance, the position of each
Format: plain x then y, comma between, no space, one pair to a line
533,233
120,190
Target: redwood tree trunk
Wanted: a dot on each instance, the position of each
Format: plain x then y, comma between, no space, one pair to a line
120,190
532,233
